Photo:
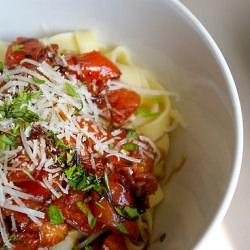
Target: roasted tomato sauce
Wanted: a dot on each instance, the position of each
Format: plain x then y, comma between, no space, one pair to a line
108,198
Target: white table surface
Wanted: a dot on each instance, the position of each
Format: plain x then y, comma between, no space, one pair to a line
228,21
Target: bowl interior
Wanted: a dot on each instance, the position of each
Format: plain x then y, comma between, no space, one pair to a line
164,39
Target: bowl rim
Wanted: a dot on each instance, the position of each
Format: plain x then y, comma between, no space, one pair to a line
238,120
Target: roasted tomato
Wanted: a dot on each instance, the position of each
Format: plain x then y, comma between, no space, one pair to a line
94,67
23,48
30,48
114,242
124,103
103,208
73,213
24,240
52,234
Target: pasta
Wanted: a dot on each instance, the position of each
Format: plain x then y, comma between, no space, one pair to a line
83,137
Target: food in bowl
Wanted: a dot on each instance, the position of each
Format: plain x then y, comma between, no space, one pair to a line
83,136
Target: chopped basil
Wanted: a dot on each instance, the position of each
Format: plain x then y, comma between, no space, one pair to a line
121,227
7,140
52,136
76,111
99,205
7,77
106,179
130,146
131,212
17,110
146,112
156,100
91,218
127,212
130,134
87,199
70,89
15,130
69,172
82,207
1,66
111,145
18,47
37,80
10,238
33,95
60,158
88,247
69,157
55,215
119,211
80,180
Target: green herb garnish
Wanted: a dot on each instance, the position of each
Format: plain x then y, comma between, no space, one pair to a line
131,212
7,140
91,218
52,136
82,207
146,112
69,157
78,179
131,133
156,100
15,130
70,89
55,215
17,108
1,66
88,247
18,47
69,172
121,227
99,205
106,179
10,238
130,146
37,80
127,212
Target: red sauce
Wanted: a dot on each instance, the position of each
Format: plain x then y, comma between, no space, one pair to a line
129,183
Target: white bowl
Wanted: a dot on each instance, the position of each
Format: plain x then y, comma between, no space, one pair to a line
169,41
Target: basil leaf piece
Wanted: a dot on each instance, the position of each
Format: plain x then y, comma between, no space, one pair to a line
91,220
121,227
99,205
131,212
131,133
130,146
70,89
37,80
106,179
69,172
7,140
79,179
18,47
156,100
1,66
55,215
82,207
146,112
